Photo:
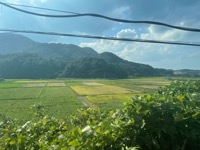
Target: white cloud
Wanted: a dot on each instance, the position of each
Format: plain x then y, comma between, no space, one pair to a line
127,33
157,55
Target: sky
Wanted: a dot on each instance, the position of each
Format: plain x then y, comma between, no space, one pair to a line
176,12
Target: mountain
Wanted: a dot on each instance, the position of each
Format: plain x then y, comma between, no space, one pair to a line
21,57
187,73
91,67
110,57
14,43
27,65
134,69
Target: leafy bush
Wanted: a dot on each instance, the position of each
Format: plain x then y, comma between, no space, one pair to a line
166,119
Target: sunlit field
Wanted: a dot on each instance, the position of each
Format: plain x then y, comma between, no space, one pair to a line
63,97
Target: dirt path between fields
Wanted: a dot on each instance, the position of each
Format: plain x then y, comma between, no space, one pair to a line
86,103
83,99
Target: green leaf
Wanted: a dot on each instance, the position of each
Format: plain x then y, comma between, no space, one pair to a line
74,143
12,142
180,98
98,130
179,118
196,114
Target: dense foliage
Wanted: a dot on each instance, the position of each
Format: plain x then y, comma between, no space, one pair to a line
33,66
166,119
187,73
27,65
133,69
93,68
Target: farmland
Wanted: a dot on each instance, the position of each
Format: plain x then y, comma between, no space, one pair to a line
64,96
173,109
18,96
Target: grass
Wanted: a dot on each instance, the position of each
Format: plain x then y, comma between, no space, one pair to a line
20,93
114,98
61,97
19,109
17,102
11,85
59,101
55,92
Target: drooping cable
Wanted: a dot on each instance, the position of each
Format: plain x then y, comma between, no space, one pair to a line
105,17
102,37
42,8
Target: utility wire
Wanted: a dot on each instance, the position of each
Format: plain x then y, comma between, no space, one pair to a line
104,17
102,37
42,8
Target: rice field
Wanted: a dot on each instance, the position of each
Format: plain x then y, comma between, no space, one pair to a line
63,97
55,92
17,98
99,89
19,93
113,98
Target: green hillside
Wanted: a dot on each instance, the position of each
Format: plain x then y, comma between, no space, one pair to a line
20,57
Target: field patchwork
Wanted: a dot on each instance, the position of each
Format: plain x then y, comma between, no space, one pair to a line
113,98
92,83
50,84
19,93
55,92
99,89
57,84
35,85
63,97
18,96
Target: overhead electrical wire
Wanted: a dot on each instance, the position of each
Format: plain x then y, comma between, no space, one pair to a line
74,14
42,8
102,37
101,16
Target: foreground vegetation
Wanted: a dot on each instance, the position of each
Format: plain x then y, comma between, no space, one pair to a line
168,118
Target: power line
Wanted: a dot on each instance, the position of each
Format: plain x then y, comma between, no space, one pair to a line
101,37
42,8
101,16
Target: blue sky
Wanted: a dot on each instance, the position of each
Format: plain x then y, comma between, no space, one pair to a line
177,12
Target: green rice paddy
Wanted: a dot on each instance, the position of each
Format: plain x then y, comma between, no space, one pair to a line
63,97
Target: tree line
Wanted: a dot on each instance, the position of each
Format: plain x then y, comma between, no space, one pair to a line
33,66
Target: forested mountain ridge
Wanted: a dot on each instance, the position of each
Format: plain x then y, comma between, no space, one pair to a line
92,67
21,57
187,73
14,43
28,65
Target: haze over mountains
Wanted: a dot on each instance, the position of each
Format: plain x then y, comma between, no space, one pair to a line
21,57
